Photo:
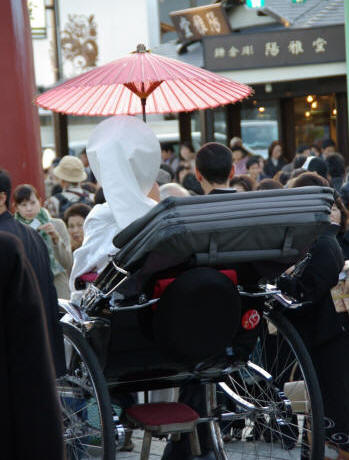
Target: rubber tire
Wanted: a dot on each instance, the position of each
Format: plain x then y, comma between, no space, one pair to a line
102,394
318,433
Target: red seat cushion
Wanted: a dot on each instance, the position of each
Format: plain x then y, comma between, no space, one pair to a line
162,284
157,414
89,277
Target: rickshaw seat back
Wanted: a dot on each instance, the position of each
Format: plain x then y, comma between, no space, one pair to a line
223,230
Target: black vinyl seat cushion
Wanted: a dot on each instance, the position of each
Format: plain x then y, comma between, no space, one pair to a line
197,315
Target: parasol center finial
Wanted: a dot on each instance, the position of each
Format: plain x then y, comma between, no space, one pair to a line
141,48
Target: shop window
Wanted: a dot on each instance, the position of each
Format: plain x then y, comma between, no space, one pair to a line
315,119
259,125
220,132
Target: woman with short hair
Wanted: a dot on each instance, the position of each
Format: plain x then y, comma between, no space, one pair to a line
74,218
53,231
275,161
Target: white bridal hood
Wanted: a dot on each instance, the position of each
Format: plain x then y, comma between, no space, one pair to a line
124,155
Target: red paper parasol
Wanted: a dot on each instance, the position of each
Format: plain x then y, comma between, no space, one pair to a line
125,86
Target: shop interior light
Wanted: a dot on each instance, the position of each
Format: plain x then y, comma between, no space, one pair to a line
298,1
261,109
310,98
314,105
334,112
47,157
307,114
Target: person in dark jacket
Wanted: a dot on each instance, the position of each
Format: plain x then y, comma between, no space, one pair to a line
321,327
31,425
336,170
275,162
317,165
38,257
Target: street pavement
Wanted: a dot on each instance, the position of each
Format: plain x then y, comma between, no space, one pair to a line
235,451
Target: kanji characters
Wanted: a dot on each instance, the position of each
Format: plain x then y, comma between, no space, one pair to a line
199,24
184,24
271,49
233,52
213,22
247,50
219,52
295,47
319,45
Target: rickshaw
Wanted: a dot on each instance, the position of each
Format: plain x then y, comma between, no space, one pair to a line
260,386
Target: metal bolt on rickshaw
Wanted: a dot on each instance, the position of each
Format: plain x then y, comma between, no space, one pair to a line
250,362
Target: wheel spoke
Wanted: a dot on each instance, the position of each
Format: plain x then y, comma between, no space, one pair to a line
85,403
273,430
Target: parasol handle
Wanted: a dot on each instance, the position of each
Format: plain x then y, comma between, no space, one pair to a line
144,102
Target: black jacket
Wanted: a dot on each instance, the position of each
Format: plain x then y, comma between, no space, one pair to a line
270,169
30,421
317,322
36,252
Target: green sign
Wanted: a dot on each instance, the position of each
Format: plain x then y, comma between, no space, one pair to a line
298,1
255,3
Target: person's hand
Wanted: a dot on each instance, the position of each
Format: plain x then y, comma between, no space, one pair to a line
154,193
50,230
335,215
290,270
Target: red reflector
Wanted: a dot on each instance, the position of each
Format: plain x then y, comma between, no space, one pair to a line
250,319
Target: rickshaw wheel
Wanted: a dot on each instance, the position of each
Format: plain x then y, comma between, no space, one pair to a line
286,420
85,402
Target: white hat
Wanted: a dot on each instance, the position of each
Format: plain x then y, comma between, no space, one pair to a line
70,169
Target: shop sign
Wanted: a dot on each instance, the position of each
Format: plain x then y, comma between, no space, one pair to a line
255,3
275,49
37,16
194,23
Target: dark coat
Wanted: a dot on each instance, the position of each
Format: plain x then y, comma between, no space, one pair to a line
30,423
318,322
323,330
270,169
343,240
37,254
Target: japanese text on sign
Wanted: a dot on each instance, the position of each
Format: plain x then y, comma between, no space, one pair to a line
290,47
271,49
195,23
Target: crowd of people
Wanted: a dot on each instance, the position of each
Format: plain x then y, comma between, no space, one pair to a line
91,197
72,191
253,172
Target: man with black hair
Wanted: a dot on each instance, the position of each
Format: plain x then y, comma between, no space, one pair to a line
168,156
328,147
318,165
38,257
214,168
303,151
336,170
254,168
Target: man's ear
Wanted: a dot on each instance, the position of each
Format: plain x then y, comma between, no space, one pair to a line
232,172
198,175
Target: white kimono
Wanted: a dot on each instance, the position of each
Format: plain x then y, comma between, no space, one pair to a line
124,155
